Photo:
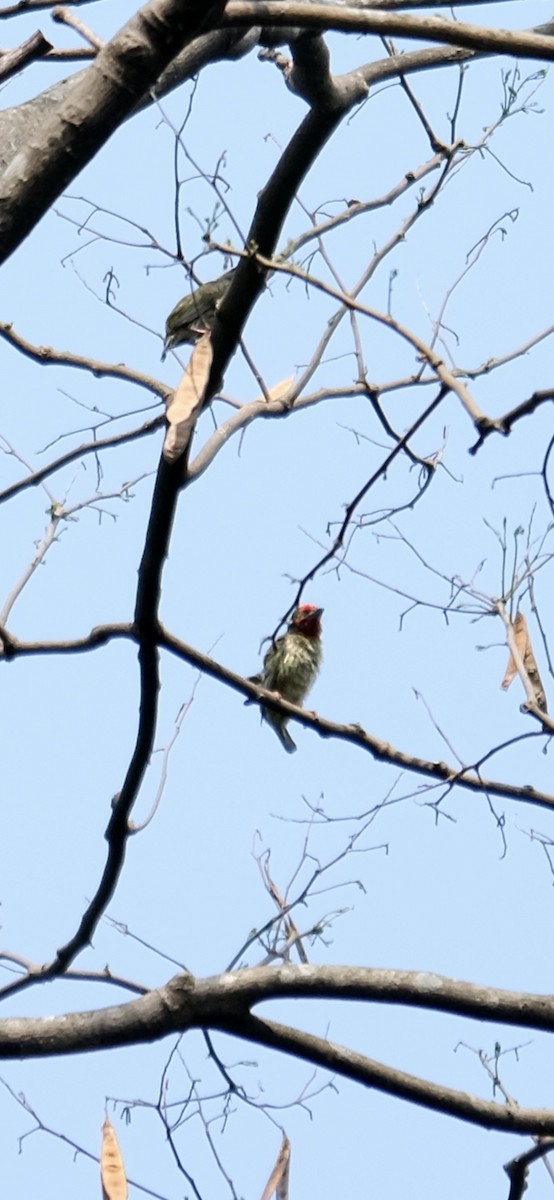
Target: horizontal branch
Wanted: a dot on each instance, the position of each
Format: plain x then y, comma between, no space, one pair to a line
22,8
224,1002
320,17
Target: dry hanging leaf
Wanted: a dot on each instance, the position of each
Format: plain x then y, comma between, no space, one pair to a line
525,650
278,1182
112,1170
532,669
187,400
277,392
520,633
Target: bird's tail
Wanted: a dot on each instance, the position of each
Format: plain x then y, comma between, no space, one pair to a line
273,719
284,738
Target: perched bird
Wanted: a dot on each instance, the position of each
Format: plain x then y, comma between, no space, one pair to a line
195,313
291,665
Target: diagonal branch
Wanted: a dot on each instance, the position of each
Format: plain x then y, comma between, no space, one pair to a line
81,123
446,377
424,1093
469,778
117,439
13,61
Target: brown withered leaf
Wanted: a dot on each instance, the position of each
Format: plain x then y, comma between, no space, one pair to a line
278,1182
187,400
278,391
112,1170
523,643
519,627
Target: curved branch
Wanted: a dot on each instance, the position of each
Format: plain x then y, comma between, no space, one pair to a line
525,44
424,1093
145,631
47,357
187,1002
223,1002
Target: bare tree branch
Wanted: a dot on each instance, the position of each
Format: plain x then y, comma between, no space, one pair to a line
105,94
353,20
468,778
13,61
224,1002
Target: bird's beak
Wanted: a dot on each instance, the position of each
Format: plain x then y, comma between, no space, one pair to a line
318,612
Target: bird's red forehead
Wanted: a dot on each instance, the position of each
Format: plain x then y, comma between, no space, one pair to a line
307,619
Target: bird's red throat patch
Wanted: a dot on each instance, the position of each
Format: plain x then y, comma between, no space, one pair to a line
307,620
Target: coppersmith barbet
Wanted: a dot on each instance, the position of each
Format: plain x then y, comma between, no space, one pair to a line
291,665
195,313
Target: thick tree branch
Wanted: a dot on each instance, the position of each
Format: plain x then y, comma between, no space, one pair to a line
218,1000
360,1069
321,17
26,121
273,205
81,123
224,1002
